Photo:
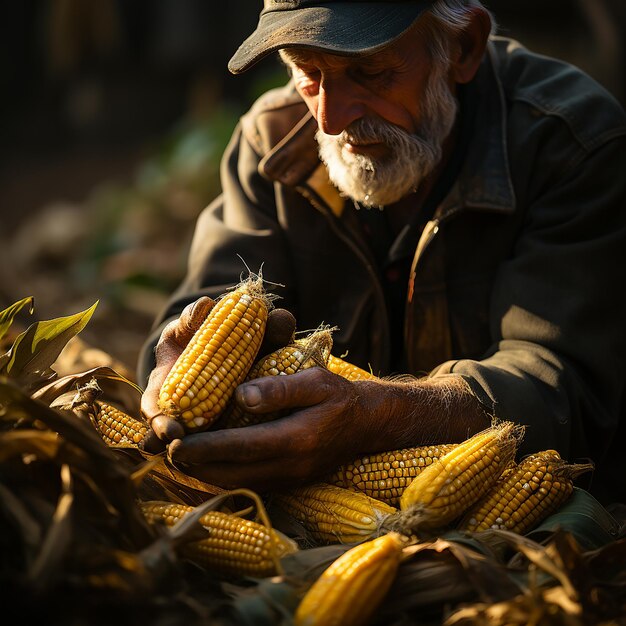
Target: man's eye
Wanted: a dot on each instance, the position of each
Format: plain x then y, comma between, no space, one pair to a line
309,72
372,73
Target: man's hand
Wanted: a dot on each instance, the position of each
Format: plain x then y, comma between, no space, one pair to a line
333,421
176,335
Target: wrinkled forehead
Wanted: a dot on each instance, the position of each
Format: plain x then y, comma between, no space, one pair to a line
304,56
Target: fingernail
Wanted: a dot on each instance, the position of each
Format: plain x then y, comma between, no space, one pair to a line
166,428
172,449
250,395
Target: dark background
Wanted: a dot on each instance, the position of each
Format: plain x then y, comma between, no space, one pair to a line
114,114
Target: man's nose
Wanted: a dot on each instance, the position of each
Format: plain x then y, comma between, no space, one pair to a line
339,104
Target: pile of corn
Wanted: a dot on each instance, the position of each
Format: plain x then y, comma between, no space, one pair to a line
387,507
383,503
475,485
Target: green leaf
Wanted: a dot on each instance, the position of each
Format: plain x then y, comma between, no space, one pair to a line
6,316
582,516
38,347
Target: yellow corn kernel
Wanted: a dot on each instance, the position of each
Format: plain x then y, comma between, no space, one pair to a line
312,351
332,514
446,488
385,476
234,545
217,359
353,586
116,427
526,495
352,372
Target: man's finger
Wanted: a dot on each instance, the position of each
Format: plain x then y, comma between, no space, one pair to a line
195,313
191,318
167,428
177,333
251,444
279,332
272,393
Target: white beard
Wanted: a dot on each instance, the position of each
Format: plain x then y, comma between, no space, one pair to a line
410,159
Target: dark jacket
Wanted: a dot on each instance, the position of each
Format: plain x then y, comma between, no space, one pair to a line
519,278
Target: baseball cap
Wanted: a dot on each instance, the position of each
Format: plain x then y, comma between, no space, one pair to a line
349,27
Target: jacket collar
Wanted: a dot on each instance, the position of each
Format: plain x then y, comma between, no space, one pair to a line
484,182
294,161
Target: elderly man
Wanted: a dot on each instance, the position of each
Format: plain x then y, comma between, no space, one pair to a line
455,205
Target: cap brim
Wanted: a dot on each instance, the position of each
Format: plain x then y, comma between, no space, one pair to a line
348,28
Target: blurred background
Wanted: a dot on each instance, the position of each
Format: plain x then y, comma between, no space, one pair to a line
114,115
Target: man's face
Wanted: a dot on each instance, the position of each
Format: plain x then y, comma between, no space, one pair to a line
382,118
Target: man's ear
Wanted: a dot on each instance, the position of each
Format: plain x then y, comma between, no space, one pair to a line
470,46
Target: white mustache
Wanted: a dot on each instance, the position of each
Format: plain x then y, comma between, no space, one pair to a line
369,130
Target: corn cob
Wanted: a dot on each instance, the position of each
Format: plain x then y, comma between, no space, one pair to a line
217,358
351,589
310,352
234,545
332,514
526,495
116,427
385,476
446,488
352,372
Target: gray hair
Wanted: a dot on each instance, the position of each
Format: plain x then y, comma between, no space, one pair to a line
454,14
442,21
